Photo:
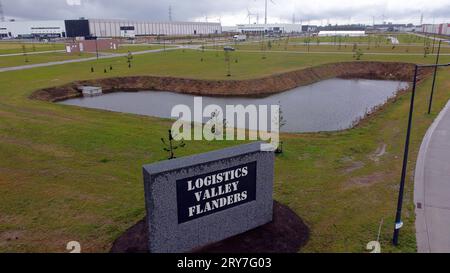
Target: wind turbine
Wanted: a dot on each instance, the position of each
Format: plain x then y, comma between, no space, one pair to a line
249,15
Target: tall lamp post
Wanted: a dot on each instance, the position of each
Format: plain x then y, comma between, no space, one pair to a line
434,77
398,217
434,43
96,46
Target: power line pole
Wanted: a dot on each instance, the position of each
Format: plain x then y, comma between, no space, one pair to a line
170,13
265,18
2,14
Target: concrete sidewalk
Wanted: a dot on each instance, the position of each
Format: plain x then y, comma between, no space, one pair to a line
432,188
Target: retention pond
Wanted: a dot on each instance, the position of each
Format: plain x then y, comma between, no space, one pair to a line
329,105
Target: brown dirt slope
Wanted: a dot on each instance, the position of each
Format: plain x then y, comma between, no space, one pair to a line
253,87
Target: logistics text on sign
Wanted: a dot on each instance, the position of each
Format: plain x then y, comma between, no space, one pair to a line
214,192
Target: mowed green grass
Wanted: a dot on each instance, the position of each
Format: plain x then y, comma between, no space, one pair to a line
382,39
14,47
10,61
409,44
69,173
314,47
136,48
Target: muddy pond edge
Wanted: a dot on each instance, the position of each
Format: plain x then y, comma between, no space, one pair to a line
259,87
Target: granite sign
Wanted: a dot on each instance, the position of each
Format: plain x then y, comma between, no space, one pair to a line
206,198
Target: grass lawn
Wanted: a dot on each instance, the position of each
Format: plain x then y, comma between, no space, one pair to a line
136,48
382,39
70,173
275,46
14,47
10,61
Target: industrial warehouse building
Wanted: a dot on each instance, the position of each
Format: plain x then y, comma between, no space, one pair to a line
342,33
104,28
439,29
28,29
269,28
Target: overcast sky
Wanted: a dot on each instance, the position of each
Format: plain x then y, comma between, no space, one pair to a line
231,12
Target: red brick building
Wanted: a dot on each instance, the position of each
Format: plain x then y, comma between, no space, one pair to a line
92,45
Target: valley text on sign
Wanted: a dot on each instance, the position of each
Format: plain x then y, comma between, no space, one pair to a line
206,198
206,194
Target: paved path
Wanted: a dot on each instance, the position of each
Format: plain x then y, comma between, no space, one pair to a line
431,36
333,52
432,187
31,53
108,56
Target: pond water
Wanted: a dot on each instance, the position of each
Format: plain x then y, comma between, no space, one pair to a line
329,105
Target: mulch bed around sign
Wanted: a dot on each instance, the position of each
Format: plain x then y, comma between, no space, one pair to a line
286,234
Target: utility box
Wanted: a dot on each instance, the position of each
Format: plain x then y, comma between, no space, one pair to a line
91,91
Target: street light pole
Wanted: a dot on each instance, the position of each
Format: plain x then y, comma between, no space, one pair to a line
434,78
96,46
398,217
434,43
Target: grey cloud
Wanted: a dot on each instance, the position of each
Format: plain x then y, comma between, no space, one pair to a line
282,10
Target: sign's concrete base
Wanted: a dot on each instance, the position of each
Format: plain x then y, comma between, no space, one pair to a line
286,234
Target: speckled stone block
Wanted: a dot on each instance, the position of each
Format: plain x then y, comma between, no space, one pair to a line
175,226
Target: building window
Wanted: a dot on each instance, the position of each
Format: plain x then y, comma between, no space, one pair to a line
127,28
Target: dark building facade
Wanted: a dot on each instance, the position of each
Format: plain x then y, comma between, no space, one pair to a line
77,28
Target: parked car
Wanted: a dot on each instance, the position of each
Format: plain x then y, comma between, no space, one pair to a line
229,48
